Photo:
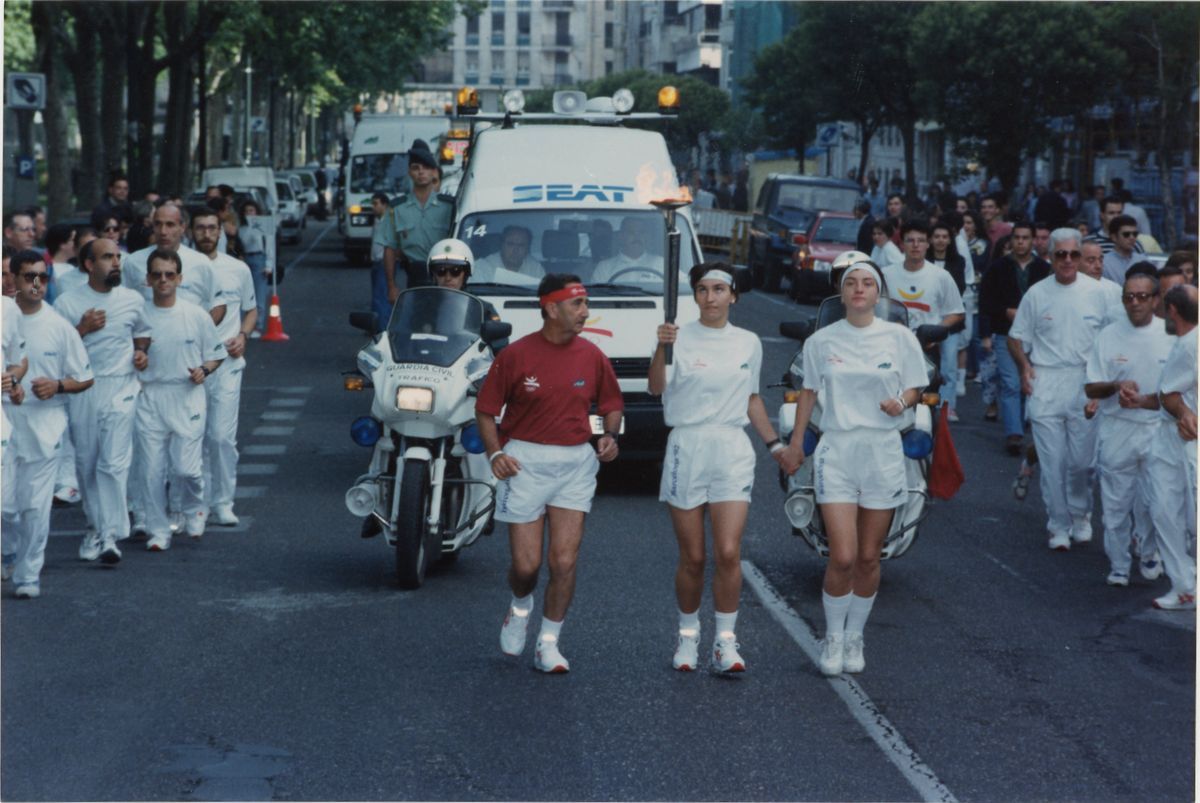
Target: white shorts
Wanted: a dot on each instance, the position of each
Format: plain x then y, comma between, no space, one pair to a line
554,476
864,467
706,464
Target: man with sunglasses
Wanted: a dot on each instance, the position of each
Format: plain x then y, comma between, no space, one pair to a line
15,364
1052,335
58,365
1124,370
172,410
198,286
1124,233
450,266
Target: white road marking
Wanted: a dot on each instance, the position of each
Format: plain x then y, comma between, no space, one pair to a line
259,449
882,732
272,432
257,468
249,491
291,265
1011,570
775,339
1184,620
279,416
294,389
286,402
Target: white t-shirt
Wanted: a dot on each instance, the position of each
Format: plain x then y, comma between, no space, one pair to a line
1114,308
712,376
606,269
55,351
110,349
1057,323
929,293
1123,352
198,285
853,369
14,352
183,337
487,268
236,285
67,277
1179,372
886,254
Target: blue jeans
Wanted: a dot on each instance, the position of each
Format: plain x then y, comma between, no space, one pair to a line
1012,402
379,295
257,264
948,365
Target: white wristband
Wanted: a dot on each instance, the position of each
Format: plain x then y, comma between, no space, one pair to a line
777,447
900,398
494,455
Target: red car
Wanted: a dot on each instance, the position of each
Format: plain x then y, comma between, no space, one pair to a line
831,233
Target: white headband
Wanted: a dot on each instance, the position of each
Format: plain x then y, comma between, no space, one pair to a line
867,266
719,275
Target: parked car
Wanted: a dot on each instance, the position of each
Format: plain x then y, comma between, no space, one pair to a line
290,214
831,234
307,190
787,205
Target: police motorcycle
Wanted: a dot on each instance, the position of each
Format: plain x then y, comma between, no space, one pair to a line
429,488
916,436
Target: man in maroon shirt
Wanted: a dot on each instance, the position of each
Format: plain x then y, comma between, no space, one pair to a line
546,383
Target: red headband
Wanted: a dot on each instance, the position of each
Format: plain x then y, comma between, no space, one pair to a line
565,294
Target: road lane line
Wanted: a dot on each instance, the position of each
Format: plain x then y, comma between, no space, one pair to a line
261,449
249,491
272,432
311,246
294,389
279,416
286,402
257,468
921,777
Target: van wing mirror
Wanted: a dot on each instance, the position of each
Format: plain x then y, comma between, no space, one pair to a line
796,330
366,321
493,331
743,280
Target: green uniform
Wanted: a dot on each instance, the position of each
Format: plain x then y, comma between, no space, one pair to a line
413,229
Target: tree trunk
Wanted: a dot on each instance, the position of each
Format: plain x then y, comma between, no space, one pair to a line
82,60
1170,235
112,26
45,19
908,129
866,130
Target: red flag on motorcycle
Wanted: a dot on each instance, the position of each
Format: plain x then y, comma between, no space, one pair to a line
945,472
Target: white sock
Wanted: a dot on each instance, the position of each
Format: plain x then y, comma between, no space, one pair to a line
550,629
836,609
523,605
690,622
726,624
860,609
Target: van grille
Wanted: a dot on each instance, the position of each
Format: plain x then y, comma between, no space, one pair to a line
630,367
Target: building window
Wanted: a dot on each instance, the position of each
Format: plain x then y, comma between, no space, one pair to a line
523,28
712,17
472,61
608,69
497,27
497,61
472,30
523,62
608,34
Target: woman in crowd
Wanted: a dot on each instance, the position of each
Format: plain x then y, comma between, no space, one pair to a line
885,251
254,254
943,252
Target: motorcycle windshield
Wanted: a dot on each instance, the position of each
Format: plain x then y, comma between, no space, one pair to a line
833,310
433,325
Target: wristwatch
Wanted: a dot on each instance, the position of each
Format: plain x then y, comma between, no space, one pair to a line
616,436
207,371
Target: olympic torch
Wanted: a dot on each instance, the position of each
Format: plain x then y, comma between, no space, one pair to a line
668,207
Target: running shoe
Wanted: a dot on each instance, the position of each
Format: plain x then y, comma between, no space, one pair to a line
852,655
176,522
66,495
1151,567
159,543
224,516
1176,601
91,546
512,632
1013,445
687,650
138,528
195,524
1020,487
952,416
1116,578
1060,542
27,591
1081,529
547,658
725,657
110,554
833,654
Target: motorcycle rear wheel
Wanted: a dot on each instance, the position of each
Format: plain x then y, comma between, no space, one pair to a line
412,555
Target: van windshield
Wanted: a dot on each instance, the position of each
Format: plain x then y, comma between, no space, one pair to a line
816,197
618,251
380,172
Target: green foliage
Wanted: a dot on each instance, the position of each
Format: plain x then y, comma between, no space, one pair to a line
19,46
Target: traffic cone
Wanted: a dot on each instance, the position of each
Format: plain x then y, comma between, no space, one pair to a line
274,323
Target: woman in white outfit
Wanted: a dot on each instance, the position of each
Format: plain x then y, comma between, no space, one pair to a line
710,394
866,372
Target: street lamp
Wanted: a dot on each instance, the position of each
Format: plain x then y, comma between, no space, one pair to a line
249,71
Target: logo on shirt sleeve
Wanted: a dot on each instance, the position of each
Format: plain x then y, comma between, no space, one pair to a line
579,383
531,384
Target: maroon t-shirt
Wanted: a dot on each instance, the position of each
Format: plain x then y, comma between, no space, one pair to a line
548,390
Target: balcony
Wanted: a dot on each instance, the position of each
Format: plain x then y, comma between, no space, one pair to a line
558,41
522,80
522,40
471,76
552,6
472,39
498,38
497,79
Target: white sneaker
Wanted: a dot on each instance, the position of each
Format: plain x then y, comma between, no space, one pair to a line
1116,578
28,591
91,546
952,416
159,543
1151,567
176,522
833,654
66,495
195,524
961,385
1081,529
110,554
852,655
138,528
687,650
1176,601
1060,542
547,658
725,657
512,632
224,516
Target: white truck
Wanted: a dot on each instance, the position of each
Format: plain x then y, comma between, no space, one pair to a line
580,194
260,182
378,162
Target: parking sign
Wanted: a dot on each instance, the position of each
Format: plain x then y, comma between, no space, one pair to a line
25,90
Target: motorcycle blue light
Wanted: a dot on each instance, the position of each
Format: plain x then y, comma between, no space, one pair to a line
472,441
917,444
811,439
365,431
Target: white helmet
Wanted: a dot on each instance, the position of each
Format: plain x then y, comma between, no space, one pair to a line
844,261
450,252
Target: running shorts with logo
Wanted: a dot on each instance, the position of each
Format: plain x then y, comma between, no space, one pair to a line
707,464
864,467
550,476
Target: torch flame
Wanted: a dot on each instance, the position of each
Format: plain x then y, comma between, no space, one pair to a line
655,185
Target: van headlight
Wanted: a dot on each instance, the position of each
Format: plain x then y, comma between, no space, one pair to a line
414,400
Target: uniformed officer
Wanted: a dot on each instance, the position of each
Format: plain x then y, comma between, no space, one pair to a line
416,221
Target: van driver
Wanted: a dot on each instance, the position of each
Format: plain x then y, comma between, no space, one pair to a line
631,242
513,256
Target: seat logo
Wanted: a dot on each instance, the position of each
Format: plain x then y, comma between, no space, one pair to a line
570,193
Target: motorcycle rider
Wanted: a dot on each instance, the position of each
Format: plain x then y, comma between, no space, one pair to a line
450,264
866,372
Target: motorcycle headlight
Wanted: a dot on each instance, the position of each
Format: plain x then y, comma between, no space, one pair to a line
414,400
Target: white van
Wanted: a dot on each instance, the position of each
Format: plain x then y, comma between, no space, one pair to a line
582,193
258,182
378,162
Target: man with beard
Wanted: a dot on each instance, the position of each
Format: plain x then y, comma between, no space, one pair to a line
109,319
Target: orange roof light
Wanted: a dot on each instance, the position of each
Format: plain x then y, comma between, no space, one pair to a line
668,100
468,100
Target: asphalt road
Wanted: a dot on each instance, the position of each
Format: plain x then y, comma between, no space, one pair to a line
278,659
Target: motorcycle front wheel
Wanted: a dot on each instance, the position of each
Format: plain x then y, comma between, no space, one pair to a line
412,556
